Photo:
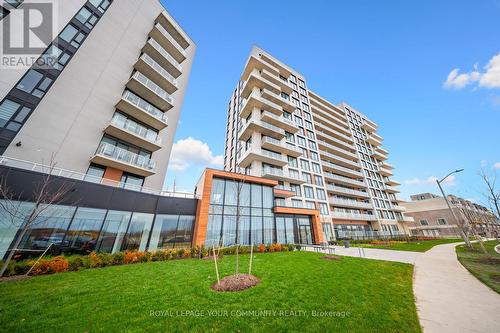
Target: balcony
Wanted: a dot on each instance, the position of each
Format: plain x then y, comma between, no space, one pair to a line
283,147
255,63
277,80
385,171
346,191
141,110
391,189
119,158
340,126
162,57
279,174
353,216
392,182
339,160
341,170
374,139
158,74
398,208
331,141
330,110
281,191
344,180
377,154
280,122
128,130
339,151
332,133
350,203
255,154
255,80
262,127
160,34
369,126
406,219
255,100
276,98
150,91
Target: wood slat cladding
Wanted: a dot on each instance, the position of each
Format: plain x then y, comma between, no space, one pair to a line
315,219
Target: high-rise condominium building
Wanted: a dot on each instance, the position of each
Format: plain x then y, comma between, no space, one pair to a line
328,156
109,105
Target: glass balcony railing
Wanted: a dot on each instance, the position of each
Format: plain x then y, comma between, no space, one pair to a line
131,126
170,38
164,53
152,86
125,156
162,71
145,106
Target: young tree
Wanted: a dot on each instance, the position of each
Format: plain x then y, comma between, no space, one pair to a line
492,193
45,194
474,220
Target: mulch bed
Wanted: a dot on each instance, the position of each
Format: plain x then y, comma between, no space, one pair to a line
14,278
211,257
236,282
330,258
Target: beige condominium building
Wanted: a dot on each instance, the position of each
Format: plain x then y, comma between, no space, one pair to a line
109,103
327,157
434,219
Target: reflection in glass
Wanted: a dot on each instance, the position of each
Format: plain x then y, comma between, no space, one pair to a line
84,230
138,232
114,229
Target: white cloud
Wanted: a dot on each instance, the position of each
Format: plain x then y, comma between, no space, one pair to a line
189,151
450,181
490,78
496,166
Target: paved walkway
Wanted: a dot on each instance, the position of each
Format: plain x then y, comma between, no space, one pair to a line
378,254
449,298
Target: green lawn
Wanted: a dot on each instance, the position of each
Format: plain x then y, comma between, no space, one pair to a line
367,296
416,246
480,265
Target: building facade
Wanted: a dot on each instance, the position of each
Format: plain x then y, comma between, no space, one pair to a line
329,155
226,209
433,218
108,102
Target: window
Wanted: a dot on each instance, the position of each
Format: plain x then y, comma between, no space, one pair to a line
10,110
131,181
307,177
34,83
310,205
424,222
316,167
14,3
3,12
312,145
314,157
318,180
101,5
292,161
114,229
86,17
321,194
55,57
296,188
138,232
95,173
73,36
441,221
308,192
301,141
323,208
84,230
305,165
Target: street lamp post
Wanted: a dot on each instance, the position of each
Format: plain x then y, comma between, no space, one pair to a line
464,235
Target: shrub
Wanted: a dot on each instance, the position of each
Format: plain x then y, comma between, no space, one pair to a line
94,260
42,267
180,253
118,258
58,264
106,259
187,253
157,255
291,247
262,248
130,257
75,263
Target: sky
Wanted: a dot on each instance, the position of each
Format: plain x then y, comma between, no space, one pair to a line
427,72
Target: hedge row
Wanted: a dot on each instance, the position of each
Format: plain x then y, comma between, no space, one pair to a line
63,263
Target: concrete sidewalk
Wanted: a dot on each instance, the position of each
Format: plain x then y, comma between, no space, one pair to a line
449,298
378,254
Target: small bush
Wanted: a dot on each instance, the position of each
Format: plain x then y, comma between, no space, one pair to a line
58,264
94,260
118,258
75,263
262,248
